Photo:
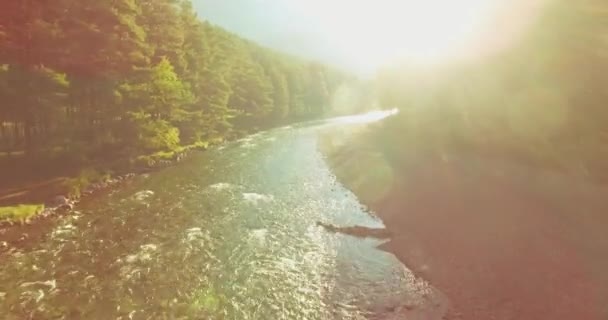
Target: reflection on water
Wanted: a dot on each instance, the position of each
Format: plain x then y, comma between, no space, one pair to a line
371,116
220,236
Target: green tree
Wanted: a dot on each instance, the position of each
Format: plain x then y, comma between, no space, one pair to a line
105,78
34,116
280,88
165,33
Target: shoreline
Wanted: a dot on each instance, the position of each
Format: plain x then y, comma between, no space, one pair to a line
59,202
15,234
500,244
63,202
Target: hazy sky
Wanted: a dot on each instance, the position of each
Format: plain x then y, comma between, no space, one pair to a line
366,34
274,23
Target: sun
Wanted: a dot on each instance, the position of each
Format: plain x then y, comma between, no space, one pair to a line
374,33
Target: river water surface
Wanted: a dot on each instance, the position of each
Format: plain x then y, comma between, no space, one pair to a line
229,233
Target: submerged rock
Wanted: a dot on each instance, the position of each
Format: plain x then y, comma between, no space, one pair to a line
220,186
143,255
255,198
193,234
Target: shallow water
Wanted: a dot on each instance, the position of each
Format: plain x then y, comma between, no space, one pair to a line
228,234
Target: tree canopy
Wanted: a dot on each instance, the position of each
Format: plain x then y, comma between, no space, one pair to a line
132,76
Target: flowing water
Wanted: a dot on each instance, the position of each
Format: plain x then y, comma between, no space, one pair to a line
229,233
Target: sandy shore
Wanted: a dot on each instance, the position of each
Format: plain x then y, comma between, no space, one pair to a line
499,240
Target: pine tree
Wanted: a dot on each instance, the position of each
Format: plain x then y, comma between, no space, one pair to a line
165,32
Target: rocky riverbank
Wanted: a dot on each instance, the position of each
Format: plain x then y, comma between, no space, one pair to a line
15,233
65,203
76,189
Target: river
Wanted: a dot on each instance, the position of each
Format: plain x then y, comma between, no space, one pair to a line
229,233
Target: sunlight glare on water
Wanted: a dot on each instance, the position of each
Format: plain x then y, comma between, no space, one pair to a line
216,237
372,116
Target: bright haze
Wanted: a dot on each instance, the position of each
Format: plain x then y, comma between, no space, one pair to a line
367,34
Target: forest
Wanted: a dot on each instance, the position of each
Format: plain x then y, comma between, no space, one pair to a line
90,80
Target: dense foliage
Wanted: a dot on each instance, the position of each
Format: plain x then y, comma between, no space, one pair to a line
128,77
543,101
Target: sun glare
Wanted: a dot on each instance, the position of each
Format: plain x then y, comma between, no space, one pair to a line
371,116
378,32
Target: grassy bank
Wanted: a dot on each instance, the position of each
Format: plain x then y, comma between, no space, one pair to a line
20,213
41,177
36,179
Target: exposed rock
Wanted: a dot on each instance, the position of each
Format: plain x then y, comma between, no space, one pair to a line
62,203
68,206
357,231
59,201
164,163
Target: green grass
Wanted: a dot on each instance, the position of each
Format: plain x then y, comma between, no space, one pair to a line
163,155
75,186
150,160
20,213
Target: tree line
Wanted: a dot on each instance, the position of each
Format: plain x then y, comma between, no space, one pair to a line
128,77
